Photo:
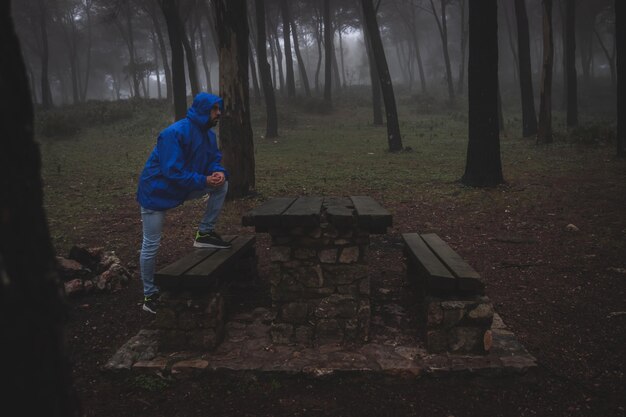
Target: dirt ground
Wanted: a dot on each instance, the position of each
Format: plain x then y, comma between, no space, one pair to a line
562,292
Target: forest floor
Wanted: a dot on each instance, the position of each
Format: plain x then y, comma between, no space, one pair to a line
562,293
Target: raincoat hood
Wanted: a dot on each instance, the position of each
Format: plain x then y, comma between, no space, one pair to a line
200,110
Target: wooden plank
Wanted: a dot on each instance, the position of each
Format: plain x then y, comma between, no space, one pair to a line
371,215
437,276
267,214
340,212
467,277
304,212
208,272
185,263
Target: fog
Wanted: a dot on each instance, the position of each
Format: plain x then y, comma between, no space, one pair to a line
93,49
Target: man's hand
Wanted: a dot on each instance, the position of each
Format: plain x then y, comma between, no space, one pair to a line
215,179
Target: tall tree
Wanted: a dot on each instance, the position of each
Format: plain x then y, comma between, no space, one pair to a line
571,88
296,46
46,93
271,127
377,113
442,26
460,87
544,129
36,374
529,118
483,166
179,86
394,139
291,83
235,128
328,53
620,45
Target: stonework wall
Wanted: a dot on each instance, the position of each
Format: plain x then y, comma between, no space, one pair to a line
319,284
190,320
458,325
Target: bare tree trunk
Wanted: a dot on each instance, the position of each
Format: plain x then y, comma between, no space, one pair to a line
544,130
36,372
571,78
374,78
318,40
255,80
483,167
192,68
394,139
291,83
460,87
328,50
46,93
529,118
301,66
343,69
610,56
166,66
235,129
279,57
271,127
157,70
131,50
443,32
273,55
179,86
87,8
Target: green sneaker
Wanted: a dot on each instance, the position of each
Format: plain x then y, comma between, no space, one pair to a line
210,240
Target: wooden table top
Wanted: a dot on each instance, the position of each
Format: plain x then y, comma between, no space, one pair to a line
311,211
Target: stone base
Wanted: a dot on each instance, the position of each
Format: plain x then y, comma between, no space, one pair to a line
190,321
458,326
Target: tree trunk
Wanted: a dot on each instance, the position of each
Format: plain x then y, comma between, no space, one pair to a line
166,66
85,87
235,128
460,87
483,165
46,93
374,79
131,51
301,66
205,59
273,56
192,68
443,32
279,57
529,118
179,86
328,50
393,128
570,63
620,52
544,129
255,80
291,83
343,69
157,70
318,41
271,127
35,365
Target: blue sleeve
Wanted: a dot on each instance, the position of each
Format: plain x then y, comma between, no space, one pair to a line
172,161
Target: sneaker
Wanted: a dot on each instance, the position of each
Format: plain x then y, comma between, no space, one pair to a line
210,240
150,303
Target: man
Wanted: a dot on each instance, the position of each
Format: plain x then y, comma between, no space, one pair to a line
185,164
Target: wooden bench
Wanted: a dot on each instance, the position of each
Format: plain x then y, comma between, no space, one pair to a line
194,294
205,267
456,314
437,268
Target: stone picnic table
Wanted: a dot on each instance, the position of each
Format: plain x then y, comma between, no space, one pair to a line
320,287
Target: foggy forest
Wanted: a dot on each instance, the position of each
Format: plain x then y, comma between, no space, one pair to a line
493,128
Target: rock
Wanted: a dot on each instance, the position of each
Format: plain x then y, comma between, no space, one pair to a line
74,287
572,228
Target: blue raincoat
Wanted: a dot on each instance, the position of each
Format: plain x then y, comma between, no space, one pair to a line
185,154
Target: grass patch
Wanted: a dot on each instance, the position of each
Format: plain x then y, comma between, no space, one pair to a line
340,153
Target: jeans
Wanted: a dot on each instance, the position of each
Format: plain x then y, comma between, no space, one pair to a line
152,221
